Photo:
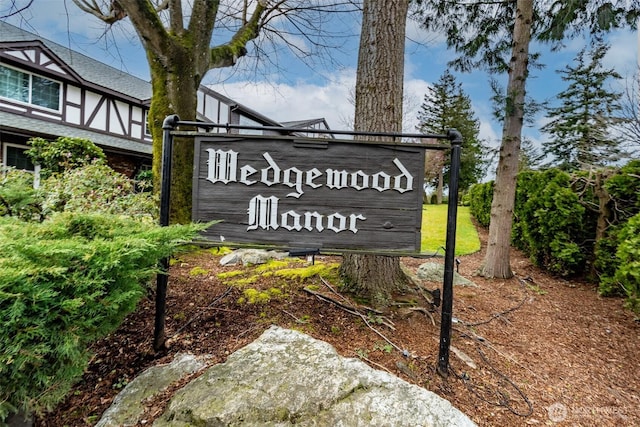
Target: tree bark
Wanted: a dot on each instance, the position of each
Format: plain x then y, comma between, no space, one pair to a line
604,212
174,92
179,56
379,86
497,259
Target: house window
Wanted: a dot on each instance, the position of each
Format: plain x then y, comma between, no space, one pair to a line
245,121
29,88
14,156
147,128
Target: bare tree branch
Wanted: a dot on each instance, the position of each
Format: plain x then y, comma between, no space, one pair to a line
14,9
630,112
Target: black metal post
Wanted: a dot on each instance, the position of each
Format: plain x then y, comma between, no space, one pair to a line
449,255
168,125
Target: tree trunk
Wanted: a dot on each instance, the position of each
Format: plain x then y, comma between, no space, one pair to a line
379,87
604,213
179,57
497,259
373,277
174,92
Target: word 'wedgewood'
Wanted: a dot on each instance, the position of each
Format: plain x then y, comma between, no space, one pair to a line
223,167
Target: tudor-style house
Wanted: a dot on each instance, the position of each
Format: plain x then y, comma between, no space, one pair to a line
48,90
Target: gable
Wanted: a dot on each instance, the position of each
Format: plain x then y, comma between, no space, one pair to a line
35,56
29,51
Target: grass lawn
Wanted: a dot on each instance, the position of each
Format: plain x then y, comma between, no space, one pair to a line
434,230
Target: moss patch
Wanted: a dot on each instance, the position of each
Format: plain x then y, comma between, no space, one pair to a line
256,296
320,269
198,271
276,278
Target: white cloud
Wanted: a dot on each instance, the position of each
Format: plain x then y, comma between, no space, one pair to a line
414,91
332,101
622,56
488,134
288,102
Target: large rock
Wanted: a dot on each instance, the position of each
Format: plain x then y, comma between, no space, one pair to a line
251,257
434,272
286,378
128,406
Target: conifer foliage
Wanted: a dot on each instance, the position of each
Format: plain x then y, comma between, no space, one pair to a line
446,106
582,126
76,255
64,283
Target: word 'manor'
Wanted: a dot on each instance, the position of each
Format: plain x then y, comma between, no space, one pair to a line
265,214
222,166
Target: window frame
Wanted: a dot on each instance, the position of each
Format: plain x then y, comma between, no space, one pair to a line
31,89
5,146
147,128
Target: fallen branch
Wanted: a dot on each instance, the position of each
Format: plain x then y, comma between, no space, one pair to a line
425,312
366,359
295,318
332,289
504,401
482,340
352,310
224,294
384,320
502,313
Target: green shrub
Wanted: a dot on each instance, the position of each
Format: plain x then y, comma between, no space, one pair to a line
63,153
64,283
548,222
624,190
99,189
628,253
464,198
606,263
91,188
622,277
144,180
480,197
18,198
524,183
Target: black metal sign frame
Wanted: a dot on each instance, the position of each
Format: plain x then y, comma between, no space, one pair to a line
224,160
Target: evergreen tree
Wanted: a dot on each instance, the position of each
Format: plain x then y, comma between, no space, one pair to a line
496,35
446,106
530,156
581,128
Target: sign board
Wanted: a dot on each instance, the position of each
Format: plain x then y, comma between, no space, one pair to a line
310,193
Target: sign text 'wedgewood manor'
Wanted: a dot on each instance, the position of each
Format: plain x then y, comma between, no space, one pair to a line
263,211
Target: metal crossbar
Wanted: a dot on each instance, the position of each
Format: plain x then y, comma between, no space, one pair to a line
172,122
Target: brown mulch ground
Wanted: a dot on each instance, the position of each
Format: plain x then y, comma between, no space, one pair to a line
546,351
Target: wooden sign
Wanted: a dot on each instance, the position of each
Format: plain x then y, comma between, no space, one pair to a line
290,192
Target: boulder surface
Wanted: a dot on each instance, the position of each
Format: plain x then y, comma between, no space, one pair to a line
288,378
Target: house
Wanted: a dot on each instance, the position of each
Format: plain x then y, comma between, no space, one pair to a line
48,90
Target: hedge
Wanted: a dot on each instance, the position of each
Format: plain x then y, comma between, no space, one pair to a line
555,218
64,283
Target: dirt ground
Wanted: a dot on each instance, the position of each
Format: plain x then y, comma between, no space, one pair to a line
539,350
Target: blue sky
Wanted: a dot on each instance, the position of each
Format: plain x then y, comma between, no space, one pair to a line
297,91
